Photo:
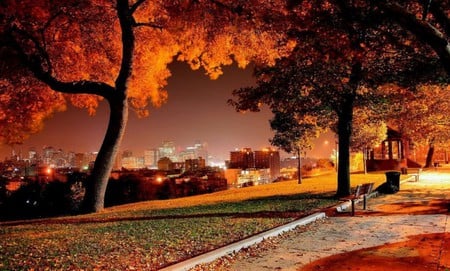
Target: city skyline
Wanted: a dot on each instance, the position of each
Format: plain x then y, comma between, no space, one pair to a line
196,110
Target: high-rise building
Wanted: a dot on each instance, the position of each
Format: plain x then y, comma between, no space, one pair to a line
263,159
194,164
167,149
151,157
47,155
268,158
242,159
80,161
201,150
187,154
193,152
132,162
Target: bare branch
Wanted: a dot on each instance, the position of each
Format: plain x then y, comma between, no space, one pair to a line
37,61
152,25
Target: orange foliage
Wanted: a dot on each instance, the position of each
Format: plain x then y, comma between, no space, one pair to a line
82,42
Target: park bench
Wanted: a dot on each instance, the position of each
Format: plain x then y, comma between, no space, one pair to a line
361,191
415,172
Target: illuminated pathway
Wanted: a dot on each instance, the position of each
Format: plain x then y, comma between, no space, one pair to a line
405,231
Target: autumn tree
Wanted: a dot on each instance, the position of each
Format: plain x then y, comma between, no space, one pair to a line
81,52
344,60
292,134
369,129
429,22
423,117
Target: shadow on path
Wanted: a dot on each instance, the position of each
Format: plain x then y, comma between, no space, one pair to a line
419,253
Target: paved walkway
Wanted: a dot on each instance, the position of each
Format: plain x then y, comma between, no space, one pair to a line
409,230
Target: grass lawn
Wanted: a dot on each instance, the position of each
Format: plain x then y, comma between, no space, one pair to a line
149,235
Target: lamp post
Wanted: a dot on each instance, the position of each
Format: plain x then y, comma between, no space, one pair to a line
336,156
299,164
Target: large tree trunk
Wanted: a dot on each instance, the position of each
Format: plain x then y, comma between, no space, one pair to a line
344,134
429,159
95,193
345,122
118,104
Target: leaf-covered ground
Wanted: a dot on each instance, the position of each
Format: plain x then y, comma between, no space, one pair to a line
149,235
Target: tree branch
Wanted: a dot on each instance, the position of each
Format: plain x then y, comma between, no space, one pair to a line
149,24
437,10
34,62
136,5
423,31
126,24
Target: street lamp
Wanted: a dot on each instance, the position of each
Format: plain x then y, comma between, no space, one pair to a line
336,155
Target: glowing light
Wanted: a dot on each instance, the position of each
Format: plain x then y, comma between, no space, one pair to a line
49,171
159,179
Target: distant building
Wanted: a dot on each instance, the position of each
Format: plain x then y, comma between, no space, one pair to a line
167,149
262,159
192,152
32,155
118,162
231,174
165,163
78,161
268,158
151,157
47,155
132,162
90,157
242,159
187,154
251,177
194,164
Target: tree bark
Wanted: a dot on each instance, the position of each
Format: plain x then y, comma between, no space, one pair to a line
345,122
95,193
118,104
345,118
430,154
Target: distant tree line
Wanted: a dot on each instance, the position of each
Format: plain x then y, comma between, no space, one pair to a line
36,199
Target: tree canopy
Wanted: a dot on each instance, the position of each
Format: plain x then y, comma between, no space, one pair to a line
75,44
119,51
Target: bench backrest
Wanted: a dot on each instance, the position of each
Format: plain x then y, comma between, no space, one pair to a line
363,189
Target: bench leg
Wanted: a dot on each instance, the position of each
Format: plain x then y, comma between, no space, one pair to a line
353,207
364,202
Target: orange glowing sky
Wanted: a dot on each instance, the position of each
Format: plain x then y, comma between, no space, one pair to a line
196,110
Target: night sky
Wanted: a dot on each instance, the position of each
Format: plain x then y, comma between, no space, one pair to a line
196,110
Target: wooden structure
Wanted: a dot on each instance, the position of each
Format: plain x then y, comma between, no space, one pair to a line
392,154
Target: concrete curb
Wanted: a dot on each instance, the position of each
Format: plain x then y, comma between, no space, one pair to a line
223,251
